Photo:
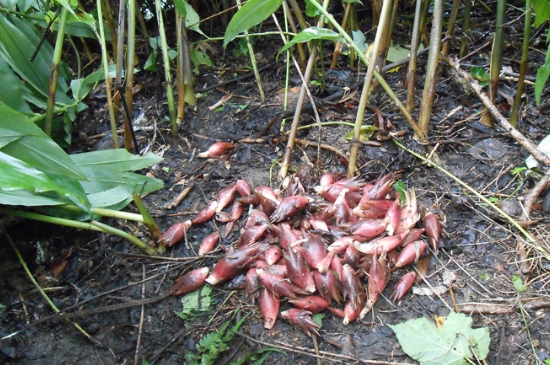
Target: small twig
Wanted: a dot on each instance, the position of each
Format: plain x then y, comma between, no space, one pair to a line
178,199
322,354
307,143
141,318
519,137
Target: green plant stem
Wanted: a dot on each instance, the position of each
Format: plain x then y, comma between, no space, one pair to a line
465,28
253,61
180,70
93,226
300,102
147,217
105,63
451,26
55,71
411,71
39,288
532,242
523,64
107,213
167,74
496,58
129,77
431,70
381,29
119,61
421,136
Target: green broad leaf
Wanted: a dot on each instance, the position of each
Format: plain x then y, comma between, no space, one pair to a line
31,145
67,5
367,132
12,96
542,76
180,7
542,11
311,10
191,19
81,87
455,343
200,58
313,33
396,53
18,40
151,63
360,40
250,14
518,283
30,199
114,160
481,75
18,176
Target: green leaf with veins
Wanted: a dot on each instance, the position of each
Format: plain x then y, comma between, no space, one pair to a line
454,343
313,33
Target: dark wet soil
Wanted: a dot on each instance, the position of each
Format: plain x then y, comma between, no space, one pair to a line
118,295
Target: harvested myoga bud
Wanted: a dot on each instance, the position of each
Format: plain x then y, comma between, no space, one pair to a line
433,230
232,263
402,286
314,303
190,281
218,149
269,306
206,214
209,242
174,234
301,318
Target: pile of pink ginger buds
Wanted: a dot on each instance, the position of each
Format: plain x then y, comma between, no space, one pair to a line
320,252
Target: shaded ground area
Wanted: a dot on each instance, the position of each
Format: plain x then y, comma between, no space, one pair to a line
118,295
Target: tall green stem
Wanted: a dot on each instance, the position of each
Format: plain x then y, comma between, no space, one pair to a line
523,64
411,71
167,74
105,64
50,106
496,58
381,29
431,71
129,77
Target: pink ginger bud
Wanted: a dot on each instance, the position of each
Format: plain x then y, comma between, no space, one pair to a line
190,281
175,233
218,149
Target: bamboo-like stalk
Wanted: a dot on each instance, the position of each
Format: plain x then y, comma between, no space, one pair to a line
105,64
253,61
108,15
496,59
424,37
381,29
431,71
465,28
167,74
338,46
129,77
50,106
300,102
290,19
411,71
119,60
451,26
179,75
188,82
523,64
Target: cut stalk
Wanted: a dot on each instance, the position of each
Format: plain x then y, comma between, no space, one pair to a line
129,77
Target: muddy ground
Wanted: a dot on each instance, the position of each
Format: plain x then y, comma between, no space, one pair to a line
118,295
